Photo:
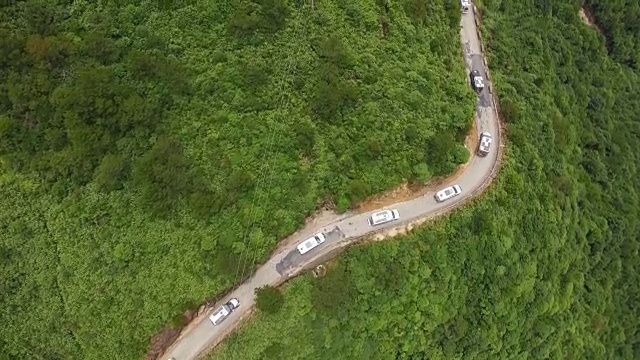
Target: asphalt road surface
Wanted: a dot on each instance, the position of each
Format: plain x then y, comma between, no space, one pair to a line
288,262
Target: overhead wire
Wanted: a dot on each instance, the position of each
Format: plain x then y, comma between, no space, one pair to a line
247,251
255,254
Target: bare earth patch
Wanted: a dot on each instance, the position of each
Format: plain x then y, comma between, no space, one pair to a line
587,18
160,341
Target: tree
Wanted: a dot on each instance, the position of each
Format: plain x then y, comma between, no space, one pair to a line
163,175
245,19
422,173
305,134
109,174
269,299
509,110
343,203
274,14
273,351
357,190
335,290
439,153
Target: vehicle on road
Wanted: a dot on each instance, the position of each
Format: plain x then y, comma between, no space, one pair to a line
448,193
465,5
223,311
477,81
307,245
382,217
484,145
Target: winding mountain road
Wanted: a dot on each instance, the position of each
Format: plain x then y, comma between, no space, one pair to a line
287,262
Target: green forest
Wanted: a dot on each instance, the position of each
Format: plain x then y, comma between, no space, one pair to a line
152,152
545,264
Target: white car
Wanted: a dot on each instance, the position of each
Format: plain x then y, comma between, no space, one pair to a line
477,81
383,216
307,245
464,6
448,193
485,144
223,311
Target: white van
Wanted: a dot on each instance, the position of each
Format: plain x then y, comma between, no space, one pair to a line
383,216
223,311
305,246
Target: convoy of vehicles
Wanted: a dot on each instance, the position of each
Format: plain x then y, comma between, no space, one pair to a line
384,216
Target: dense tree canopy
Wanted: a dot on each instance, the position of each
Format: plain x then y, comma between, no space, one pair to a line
151,152
543,266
